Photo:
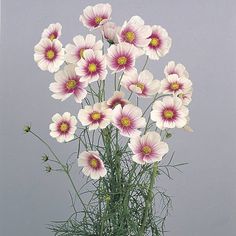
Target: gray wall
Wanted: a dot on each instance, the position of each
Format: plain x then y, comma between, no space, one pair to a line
203,34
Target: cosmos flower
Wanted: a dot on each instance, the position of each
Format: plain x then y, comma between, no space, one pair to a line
110,31
95,16
178,69
148,148
92,164
169,113
92,66
136,33
74,52
142,84
128,120
53,31
160,43
173,84
96,116
49,55
67,84
121,57
117,99
186,96
63,127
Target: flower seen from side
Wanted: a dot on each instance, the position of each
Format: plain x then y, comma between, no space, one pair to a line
53,31
177,69
117,99
110,31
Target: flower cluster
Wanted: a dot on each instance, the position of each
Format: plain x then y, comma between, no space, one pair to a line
81,71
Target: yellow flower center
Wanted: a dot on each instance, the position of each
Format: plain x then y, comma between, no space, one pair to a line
81,52
168,114
125,121
50,54
130,36
122,60
71,84
98,19
155,42
64,127
52,36
141,86
92,67
174,86
96,115
93,163
146,150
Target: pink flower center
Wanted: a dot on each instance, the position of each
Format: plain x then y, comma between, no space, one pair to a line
175,86
50,54
94,162
53,35
98,20
116,102
146,150
122,60
129,37
95,116
169,114
64,127
125,121
155,41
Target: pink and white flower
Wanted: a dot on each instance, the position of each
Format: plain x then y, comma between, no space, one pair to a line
110,31
96,116
63,127
173,84
160,43
169,113
92,164
128,120
95,16
142,84
187,126
53,31
67,84
92,66
49,55
148,148
178,69
117,99
121,57
186,96
74,52
136,33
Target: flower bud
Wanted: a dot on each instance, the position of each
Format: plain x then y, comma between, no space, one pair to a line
110,31
168,135
45,158
48,169
27,129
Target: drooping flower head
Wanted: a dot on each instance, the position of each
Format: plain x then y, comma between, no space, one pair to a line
128,119
74,52
148,148
142,84
136,33
93,164
49,55
117,99
177,69
110,31
95,16
67,84
186,96
169,113
96,116
92,66
173,84
121,57
63,127
160,43
53,31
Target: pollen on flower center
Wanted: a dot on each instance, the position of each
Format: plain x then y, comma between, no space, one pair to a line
52,36
71,84
141,86
64,127
92,67
130,36
155,42
125,121
122,60
98,19
50,54
96,116
175,86
146,150
168,114
93,162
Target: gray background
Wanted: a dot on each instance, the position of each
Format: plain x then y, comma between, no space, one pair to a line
203,34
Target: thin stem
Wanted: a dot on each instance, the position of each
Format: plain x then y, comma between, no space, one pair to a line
146,61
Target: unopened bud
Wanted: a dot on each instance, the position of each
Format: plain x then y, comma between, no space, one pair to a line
27,129
44,158
168,135
48,169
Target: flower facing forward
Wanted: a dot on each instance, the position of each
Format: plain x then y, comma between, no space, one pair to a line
117,99
67,84
49,55
173,84
63,127
121,57
92,66
142,84
160,43
110,31
96,116
136,33
178,69
169,113
92,164
52,32
128,120
148,148
95,16
74,52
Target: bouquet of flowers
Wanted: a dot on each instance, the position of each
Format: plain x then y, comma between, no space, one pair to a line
119,144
